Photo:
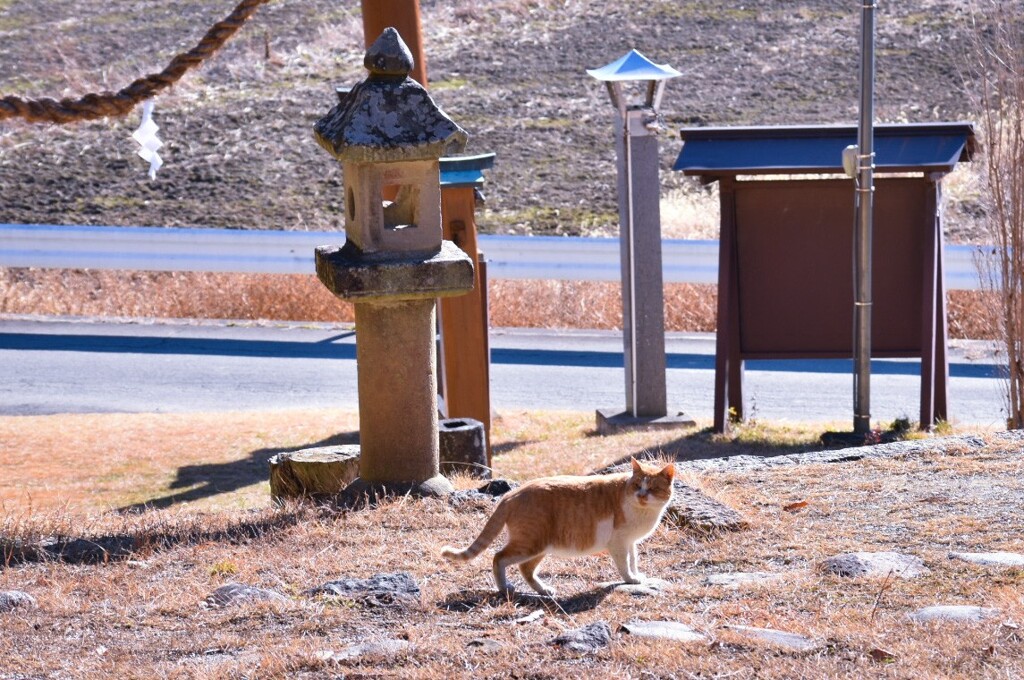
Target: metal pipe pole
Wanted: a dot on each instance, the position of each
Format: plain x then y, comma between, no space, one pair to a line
633,321
862,233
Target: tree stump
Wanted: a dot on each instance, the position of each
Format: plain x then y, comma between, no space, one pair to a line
316,472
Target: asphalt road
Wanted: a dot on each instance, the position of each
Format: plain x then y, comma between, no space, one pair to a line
77,366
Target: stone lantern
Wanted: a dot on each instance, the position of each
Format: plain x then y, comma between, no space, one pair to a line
389,136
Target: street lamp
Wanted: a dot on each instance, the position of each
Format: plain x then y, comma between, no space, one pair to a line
643,313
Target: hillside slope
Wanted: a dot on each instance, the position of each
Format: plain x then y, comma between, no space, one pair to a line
239,150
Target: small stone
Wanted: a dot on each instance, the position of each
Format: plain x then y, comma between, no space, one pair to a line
383,649
380,590
237,593
497,487
953,612
874,564
663,630
990,559
488,493
533,616
15,599
588,639
740,578
485,645
792,642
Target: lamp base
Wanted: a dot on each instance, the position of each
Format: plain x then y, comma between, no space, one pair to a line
611,420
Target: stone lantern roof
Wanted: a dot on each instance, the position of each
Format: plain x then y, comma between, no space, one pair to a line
389,116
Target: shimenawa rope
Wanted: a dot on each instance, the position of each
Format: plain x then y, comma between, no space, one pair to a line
103,104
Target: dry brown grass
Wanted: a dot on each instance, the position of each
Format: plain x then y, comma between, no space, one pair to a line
295,297
142,617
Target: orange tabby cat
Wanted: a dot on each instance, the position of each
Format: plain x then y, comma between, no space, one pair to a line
572,516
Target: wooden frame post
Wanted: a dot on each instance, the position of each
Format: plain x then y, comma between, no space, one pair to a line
465,346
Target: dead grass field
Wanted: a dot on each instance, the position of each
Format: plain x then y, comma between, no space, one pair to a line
140,615
294,297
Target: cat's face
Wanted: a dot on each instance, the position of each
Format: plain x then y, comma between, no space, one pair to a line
651,485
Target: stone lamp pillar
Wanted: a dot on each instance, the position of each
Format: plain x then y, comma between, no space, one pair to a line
643,308
389,136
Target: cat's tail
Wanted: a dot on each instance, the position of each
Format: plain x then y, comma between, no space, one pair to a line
487,535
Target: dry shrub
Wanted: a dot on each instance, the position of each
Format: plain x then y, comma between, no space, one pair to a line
555,304
973,314
997,64
691,211
183,295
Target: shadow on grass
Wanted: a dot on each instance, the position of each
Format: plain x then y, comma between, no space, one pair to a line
744,440
210,479
131,544
508,447
574,604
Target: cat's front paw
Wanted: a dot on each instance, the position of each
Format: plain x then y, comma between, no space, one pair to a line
635,579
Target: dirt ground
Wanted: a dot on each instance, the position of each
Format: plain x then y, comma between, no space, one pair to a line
141,610
239,150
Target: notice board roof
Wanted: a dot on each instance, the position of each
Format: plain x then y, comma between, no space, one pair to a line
465,171
913,147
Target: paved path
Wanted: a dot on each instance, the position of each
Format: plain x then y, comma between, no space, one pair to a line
74,366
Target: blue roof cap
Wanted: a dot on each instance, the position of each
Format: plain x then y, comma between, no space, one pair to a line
633,66
914,147
465,171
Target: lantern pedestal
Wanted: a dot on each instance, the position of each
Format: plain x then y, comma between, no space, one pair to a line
396,354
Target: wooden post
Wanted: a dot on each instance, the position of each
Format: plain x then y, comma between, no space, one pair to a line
934,363
728,364
465,346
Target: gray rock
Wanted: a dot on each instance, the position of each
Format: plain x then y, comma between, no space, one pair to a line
741,578
663,630
874,564
585,640
237,593
380,590
650,587
382,649
485,645
15,599
792,642
693,509
910,447
953,612
990,559
532,617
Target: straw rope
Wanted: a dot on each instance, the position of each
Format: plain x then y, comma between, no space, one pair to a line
103,104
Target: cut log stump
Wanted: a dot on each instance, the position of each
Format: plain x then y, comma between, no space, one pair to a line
313,473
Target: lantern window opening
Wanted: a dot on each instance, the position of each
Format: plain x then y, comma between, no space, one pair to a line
401,212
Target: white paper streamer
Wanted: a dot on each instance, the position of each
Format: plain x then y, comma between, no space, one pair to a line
147,139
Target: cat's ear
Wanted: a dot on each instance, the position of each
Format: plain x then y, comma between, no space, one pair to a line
669,471
636,466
